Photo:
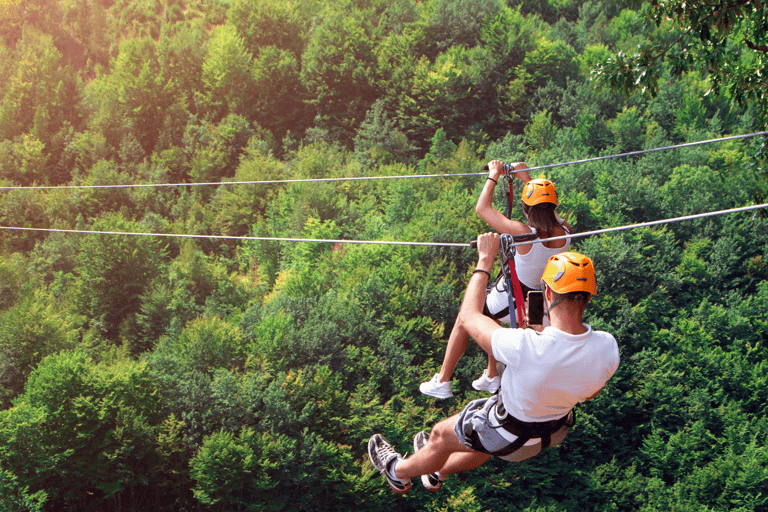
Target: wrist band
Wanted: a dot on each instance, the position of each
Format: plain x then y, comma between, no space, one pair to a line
483,271
493,180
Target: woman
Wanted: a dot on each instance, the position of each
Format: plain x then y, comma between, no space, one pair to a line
539,201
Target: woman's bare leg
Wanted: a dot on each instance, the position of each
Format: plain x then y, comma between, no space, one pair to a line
457,345
491,371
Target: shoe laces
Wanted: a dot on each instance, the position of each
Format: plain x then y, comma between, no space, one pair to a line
385,452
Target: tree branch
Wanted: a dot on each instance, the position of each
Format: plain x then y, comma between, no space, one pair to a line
757,47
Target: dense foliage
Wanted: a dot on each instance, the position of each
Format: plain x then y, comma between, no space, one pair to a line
726,39
167,373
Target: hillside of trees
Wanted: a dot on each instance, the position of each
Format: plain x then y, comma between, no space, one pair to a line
222,372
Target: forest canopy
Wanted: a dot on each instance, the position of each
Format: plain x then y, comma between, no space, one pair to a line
235,368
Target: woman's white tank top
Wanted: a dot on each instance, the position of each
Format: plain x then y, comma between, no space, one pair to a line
530,266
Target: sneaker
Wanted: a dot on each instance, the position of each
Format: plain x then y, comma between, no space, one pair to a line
486,384
384,457
436,388
432,481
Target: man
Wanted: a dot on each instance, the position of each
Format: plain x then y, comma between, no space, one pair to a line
546,375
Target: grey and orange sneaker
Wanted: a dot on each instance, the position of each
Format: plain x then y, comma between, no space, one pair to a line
384,457
432,481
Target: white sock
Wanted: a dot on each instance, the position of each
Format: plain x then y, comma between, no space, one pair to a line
393,468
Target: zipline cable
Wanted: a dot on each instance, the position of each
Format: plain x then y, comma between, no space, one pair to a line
382,242
367,178
227,237
651,223
650,150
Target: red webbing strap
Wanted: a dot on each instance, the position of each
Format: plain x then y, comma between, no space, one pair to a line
519,300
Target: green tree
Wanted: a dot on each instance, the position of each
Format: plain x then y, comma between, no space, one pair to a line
279,92
243,472
338,68
271,23
456,23
33,329
22,458
206,344
113,273
540,133
726,41
23,161
214,150
549,61
181,59
379,140
11,278
94,202
23,209
130,103
92,428
240,207
89,26
227,76
192,285
456,92
627,129
37,103
441,148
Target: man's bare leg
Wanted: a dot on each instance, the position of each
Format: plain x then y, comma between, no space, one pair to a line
465,461
436,453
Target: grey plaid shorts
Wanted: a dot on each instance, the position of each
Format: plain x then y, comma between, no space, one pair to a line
480,416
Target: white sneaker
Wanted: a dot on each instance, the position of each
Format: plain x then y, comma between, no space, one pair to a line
486,384
436,388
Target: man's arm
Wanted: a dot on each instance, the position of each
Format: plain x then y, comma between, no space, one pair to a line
477,325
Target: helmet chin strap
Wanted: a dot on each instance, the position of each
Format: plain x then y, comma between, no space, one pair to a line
548,307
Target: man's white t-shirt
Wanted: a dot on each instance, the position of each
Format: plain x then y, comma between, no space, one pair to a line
549,372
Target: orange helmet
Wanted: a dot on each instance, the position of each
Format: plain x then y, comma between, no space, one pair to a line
570,272
539,191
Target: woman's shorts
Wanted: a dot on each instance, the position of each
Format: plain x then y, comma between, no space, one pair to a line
479,416
497,302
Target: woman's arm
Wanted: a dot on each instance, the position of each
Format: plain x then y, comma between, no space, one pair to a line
491,215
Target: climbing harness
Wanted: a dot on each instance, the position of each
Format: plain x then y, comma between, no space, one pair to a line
526,431
513,286
492,415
